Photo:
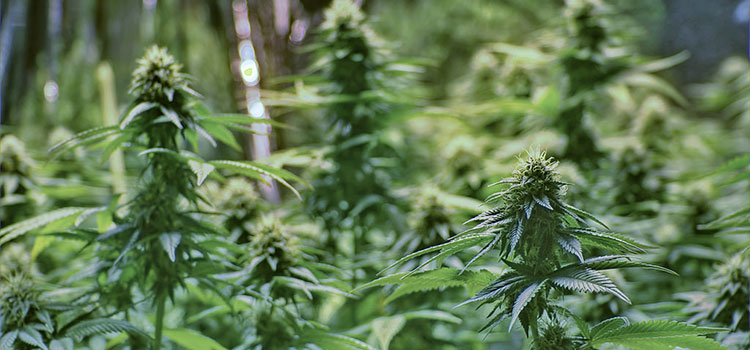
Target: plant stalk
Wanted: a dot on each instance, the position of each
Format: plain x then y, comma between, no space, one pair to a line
161,302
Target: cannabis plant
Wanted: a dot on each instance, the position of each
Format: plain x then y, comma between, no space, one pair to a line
727,291
32,318
19,192
543,241
160,241
726,94
358,84
636,181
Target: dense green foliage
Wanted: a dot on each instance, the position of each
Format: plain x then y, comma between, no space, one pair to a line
443,175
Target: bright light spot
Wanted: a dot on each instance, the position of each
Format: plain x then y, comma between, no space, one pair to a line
50,91
250,74
257,110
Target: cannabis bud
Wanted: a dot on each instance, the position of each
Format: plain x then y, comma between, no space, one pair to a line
536,181
553,337
272,250
584,25
729,289
158,76
19,302
342,12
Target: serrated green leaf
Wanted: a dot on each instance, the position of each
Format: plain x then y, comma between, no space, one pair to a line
571,245
608,325
584,214
222,133
136,110
8,339
201,131
430,280
18,229
84,137
617,262
652,330
172,116
736,163
464,242
201,170
256,170
582,279
104,326
170,241
608,241
32,337
694,342
523,299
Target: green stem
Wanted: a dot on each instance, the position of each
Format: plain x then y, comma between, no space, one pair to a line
161,302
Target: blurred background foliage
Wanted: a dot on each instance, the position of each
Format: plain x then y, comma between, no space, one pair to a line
645,103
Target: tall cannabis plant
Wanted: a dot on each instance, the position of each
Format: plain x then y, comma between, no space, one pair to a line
352,195
543,241
584,68
160,241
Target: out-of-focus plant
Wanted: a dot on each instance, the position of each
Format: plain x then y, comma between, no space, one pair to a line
724,300
736,173
574,76
728,92
431,219
359,88
542,240
635,184
19,192
238,201
354,194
